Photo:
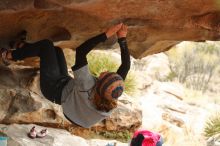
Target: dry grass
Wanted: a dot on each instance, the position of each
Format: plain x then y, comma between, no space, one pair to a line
100,61
212,126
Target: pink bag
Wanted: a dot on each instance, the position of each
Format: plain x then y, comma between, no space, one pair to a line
146,138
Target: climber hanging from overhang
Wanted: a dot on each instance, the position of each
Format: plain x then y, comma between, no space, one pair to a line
85,99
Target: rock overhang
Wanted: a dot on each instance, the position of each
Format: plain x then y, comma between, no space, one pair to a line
154,26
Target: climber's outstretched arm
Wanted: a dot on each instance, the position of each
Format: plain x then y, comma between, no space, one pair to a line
88,45
125,56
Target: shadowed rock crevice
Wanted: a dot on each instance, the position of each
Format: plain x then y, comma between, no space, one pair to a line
49,114
59,34
7,77
17,77
138,22
74,1
48,4
15,4
44,4
209,20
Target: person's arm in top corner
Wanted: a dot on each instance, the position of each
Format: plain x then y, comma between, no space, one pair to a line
125,55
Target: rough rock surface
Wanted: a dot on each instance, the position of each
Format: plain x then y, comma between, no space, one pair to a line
22,102
154,26
17,136
214,140
175,119
167,107
163,106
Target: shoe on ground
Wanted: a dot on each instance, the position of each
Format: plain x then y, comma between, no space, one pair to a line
42,133
33,133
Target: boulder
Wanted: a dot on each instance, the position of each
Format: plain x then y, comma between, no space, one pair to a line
173,118
154,26
126,116
169,89
214,140
155,66
16,135
22,102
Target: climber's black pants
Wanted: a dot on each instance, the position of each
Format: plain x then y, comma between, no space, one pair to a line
53,68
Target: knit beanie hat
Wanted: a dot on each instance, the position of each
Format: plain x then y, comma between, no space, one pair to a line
110,85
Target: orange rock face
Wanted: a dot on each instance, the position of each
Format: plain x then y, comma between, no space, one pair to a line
154,25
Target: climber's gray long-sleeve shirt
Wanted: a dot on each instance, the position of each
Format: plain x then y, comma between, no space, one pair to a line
77,94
